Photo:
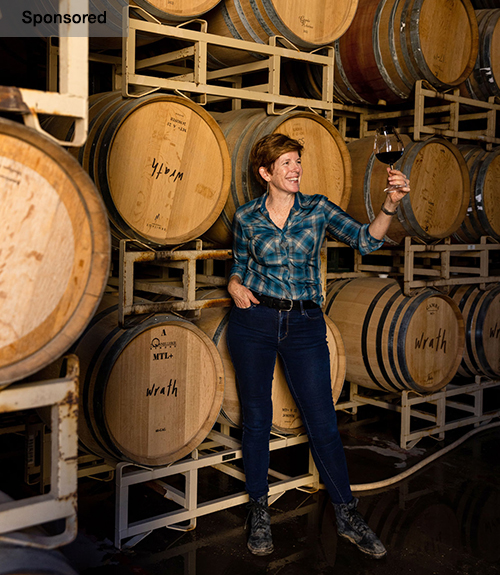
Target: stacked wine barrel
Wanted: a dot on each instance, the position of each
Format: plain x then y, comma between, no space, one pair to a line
55,250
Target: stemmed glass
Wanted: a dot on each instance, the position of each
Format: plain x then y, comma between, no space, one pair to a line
388,148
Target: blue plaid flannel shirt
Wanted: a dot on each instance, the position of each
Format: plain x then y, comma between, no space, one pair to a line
286,263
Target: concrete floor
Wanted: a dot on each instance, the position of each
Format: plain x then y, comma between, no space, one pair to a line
443,520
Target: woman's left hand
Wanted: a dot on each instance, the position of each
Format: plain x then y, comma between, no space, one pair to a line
401,185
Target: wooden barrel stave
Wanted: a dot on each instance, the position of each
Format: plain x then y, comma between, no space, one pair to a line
49,294
161,372
393,342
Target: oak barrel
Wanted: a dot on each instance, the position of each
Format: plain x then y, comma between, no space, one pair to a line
55,247
440,188
162,165
481,313
393,43
149,393
176,10
308,24
326,160
394,342
484,80
483,214
286,417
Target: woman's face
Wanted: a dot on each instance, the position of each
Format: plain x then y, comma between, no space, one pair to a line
287,173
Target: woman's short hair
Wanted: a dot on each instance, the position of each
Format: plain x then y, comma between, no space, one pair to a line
268,149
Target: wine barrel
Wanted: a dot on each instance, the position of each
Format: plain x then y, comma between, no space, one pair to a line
440,188
484,80
481,313
286,416
483,214
326,160
149,393
393,43
176,10
308,24
394,342
55,250
161,164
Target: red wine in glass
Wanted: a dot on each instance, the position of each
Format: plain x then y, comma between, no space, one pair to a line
388,147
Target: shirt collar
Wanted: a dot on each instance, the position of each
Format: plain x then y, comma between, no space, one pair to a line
298,203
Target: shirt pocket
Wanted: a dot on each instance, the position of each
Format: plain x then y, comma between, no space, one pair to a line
303,245
265,250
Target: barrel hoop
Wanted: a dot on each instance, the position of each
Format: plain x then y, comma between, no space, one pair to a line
86,388
468,331
378,339
416,48
340,67
481,316
220,328
392,44
334,296
402,334
402,28
261,20
461,304
229,23
281,27
391,344
364,335
486,30
481,176
246,24
378,54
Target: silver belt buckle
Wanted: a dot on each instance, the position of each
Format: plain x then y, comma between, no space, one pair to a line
291,305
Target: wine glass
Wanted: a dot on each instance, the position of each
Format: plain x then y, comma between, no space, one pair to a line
388,148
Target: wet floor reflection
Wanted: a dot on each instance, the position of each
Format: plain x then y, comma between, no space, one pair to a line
444,520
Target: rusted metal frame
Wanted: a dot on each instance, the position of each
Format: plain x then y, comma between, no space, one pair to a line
186,259
71,100
60,503
191,508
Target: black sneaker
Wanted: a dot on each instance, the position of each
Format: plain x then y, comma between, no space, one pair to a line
260,540
352,526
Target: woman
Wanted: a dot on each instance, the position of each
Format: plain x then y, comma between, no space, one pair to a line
275,283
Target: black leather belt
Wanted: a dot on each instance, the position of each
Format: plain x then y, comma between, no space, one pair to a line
285,304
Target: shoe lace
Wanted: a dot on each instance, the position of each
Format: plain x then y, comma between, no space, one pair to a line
258,514
357,522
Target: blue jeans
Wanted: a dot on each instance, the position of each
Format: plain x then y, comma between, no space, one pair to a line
255,336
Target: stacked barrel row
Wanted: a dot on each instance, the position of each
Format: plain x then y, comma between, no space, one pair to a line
168,172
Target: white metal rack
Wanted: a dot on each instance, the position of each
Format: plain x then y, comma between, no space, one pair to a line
60,503
219,451
466,399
